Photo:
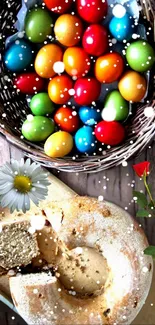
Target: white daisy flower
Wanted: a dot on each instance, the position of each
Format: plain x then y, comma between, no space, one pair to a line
21,182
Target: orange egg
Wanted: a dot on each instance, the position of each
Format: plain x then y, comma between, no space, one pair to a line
59,89
109,67
132,86
45,59
68,29
76,61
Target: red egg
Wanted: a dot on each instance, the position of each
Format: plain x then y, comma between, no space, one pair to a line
29,83
109,67
76,61
110,133
67,119
95,40
92,10
58,6
59,89
86,90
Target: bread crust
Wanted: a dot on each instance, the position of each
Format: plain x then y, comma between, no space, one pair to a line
113,233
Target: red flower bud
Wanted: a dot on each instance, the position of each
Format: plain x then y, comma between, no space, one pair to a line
142,168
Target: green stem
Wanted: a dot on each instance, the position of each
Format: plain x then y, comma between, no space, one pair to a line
148,190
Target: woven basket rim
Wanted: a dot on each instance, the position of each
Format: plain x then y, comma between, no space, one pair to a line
115,156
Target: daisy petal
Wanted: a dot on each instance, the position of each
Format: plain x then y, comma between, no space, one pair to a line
33,198
32,168
36,172
5,188
39,195
20,202
42,192
39,177
4,178
39,185
6,171
15,167
26,202
8,198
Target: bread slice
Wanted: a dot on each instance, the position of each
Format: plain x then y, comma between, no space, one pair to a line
17,245
4,284
21,245
41,300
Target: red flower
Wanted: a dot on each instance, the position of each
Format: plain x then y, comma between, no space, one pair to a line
142,168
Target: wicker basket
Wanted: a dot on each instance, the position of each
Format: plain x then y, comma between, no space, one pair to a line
14,108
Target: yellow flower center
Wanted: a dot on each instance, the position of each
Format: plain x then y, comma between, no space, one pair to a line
22,183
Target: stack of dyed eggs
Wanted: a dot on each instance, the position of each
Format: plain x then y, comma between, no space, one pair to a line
67,44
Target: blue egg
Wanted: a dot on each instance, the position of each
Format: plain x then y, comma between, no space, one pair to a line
85,140
18,56
121,28
89,115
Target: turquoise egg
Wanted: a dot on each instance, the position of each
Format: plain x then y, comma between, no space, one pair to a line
18,56
121,28
37,128
89,115
85,140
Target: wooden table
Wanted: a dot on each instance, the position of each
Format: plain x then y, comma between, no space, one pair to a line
114,185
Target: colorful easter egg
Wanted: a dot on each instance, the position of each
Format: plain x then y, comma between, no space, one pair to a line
45,59
37,128
89,115
140,56
59,144
85,140
18,56
95,39
132,86
122,28
109,67
110,133
57,6
38,25
86,90
67,119
59,89
92,11
115,107
76,61
29,83
41,104
68,29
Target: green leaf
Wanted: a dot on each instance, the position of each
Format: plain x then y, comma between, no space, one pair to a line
150,250
150,205
142,213
141,199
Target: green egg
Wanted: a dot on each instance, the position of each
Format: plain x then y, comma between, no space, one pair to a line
38,25
140,56
116,108
37,128
41,104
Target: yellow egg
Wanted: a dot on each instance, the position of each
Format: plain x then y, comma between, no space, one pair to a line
59,144
132,86
45,59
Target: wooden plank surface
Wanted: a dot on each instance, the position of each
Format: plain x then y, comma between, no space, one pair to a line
115,185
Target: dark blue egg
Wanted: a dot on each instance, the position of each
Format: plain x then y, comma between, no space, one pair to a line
121,28
89,115
85,140
18,56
